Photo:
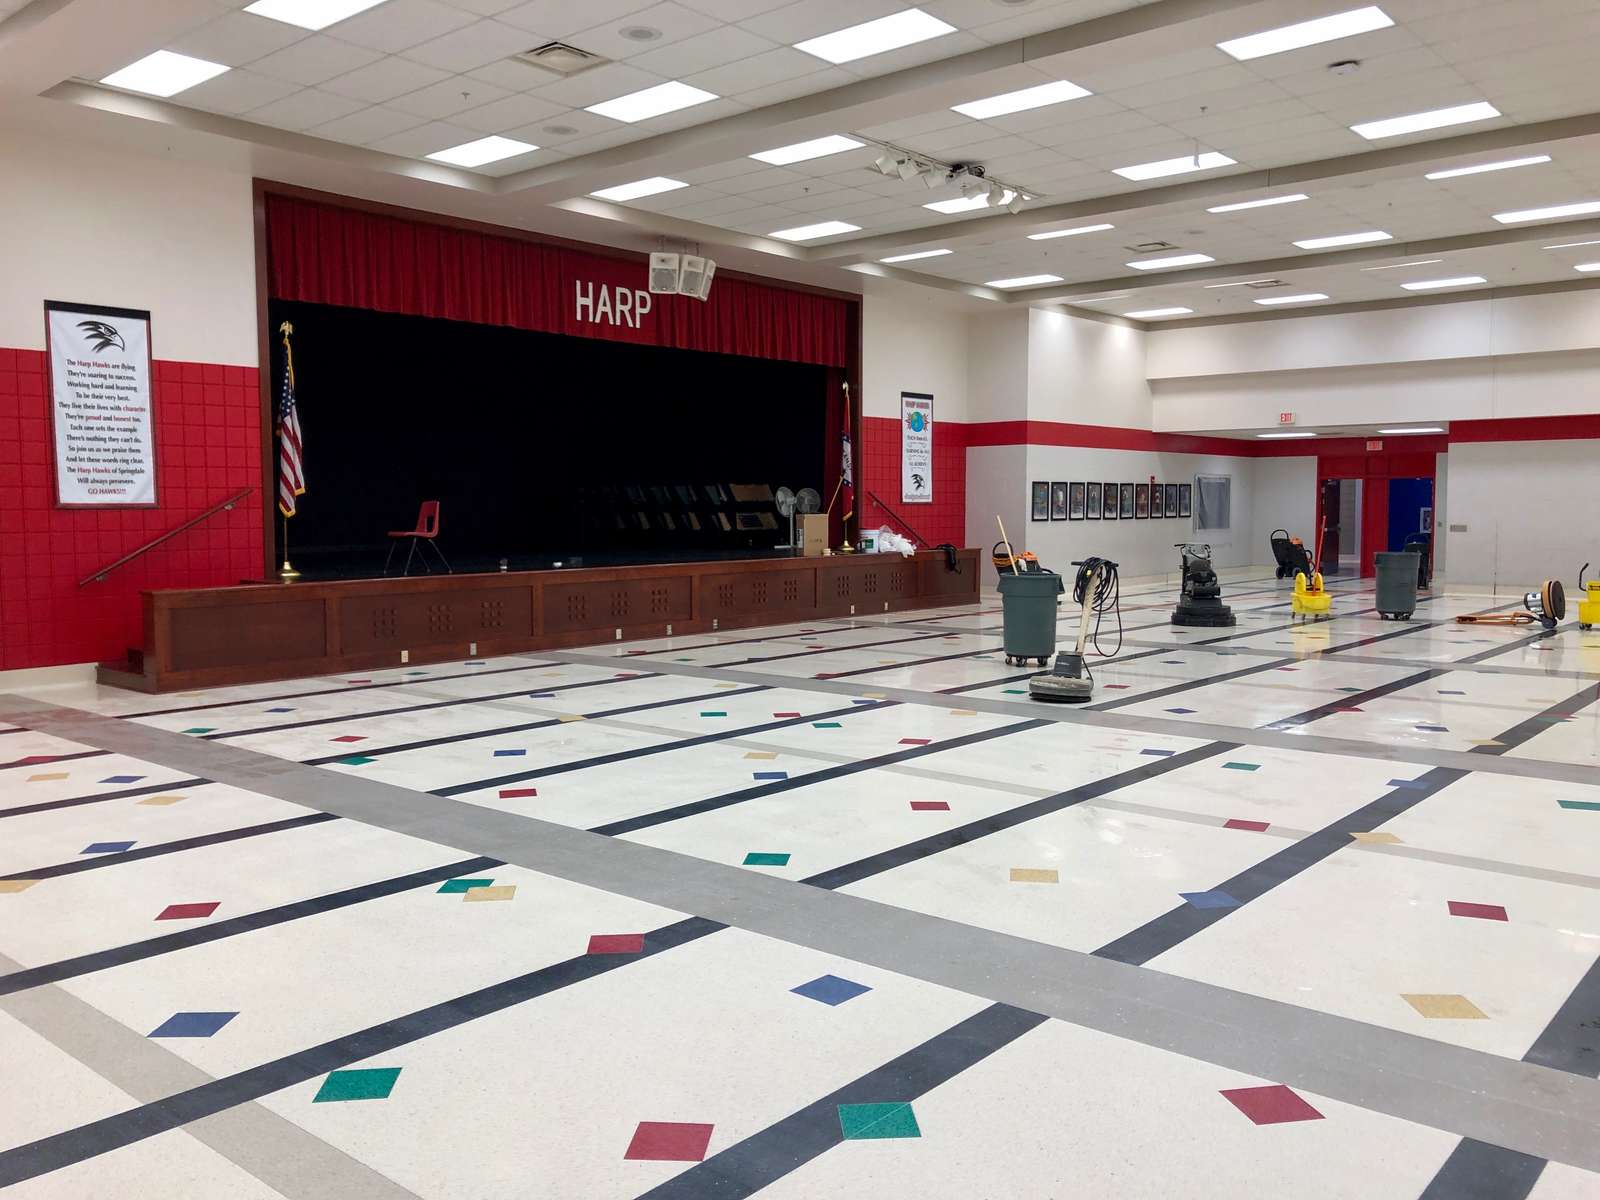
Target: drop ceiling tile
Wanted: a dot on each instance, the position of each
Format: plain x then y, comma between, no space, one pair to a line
237,38
425,139
563,18
303,109
945,46
447,98
674,23
366,125
617,135
575,121
1039,20
485,8
513,75
717,172
789,89
314,60
598,84
400,24
510,112
773,66
703,52
811,18
238,91
1105,72
385,79
473,46
734,10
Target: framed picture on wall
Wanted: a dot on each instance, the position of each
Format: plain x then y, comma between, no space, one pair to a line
1158,506
1058,502
1091,501
1125,502
1075,502
1040,509
1109,508
1185,499
1172,500
1141,501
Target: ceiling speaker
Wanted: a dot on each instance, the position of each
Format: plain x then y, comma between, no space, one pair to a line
664,274
695,277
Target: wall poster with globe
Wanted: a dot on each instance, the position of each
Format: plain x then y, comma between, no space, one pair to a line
916,448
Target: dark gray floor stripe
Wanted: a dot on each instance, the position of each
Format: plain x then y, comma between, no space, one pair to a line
937,843
838,771
149,789
96,862
1478,1171
125,1128
763,1158
100,960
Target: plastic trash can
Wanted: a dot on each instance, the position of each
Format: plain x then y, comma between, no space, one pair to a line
1028,613
1397,584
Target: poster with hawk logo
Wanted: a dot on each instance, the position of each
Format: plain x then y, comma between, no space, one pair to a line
916,448
101,414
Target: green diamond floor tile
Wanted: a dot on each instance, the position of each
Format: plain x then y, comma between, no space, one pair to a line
861,1122
368,1083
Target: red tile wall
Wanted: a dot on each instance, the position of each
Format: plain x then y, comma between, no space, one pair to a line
945,520
208,446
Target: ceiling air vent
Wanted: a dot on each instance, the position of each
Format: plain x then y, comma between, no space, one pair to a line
1266,283
559,58
1150,247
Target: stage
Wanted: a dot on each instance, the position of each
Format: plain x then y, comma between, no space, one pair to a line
210,637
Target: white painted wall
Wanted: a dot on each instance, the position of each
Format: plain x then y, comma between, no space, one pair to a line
997,485
911,343
1086,372
1284,496
130,232
997,368
1522,505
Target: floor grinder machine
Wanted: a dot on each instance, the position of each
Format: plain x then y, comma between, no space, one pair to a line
1201,601
1096,590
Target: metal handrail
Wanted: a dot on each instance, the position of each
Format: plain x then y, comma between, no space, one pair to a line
904,524
100,575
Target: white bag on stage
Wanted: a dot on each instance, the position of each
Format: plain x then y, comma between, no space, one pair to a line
890,542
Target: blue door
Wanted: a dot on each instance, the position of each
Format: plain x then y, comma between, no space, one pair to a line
1407,499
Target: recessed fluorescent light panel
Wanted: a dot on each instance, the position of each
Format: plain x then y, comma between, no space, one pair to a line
1345,239
1283,437
310,14
1060,233
1022,281
1460,114
1240,283
653,186
651,102
1268,203
806,233
1570,245
970,203
1175,260
1148,313
913,257
1544,214
1307,33
1421,262
1416,429
1425,285
1481,168
1012,102
484,150
1208,161
904,28
801,151
164,74
1303,298
1594,266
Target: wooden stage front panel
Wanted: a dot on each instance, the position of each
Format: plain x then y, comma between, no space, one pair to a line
207,637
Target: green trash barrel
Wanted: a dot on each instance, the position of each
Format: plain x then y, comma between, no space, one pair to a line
1028,608
1397,584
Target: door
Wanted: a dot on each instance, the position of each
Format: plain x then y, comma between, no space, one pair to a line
1407,500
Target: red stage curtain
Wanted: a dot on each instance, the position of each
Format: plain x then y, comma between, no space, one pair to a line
325,254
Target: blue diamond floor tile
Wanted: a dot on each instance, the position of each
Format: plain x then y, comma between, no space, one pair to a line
1180,711
1154,753
280,710
509,753
107,847
830,989
192,1024
770,775
1211,899
122,779
1432,729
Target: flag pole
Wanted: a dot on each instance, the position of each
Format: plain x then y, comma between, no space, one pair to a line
847,547
287,573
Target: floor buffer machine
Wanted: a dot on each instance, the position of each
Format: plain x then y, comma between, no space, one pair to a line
1201,602
1096,591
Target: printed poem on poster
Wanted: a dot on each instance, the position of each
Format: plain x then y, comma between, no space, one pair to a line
100,389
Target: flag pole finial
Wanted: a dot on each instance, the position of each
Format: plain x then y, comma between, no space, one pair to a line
286,328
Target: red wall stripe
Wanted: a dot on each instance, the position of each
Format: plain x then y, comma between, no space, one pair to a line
1527,429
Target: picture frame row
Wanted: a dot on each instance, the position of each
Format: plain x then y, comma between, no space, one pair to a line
1070,501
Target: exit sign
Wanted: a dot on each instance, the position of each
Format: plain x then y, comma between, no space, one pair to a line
1374,444
1285,418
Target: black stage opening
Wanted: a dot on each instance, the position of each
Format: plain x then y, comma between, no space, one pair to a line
540,448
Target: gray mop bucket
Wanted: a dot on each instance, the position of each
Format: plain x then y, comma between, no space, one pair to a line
1028,606
1397,584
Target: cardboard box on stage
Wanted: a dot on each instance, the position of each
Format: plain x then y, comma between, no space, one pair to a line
812,530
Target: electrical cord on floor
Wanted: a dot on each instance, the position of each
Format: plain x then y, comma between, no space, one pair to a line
1107,597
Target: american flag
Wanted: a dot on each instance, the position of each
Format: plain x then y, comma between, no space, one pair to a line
291,470
847,469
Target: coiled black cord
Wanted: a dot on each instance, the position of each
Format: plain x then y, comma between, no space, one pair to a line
1107,597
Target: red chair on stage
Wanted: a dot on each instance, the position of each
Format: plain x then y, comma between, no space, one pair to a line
426,533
